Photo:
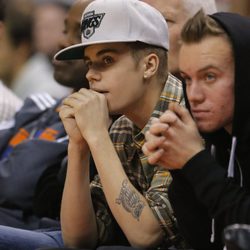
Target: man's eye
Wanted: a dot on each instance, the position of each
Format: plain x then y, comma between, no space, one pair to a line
108,60
210,77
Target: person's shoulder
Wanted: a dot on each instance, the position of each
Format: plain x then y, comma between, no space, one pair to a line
40,101
9,103
34,106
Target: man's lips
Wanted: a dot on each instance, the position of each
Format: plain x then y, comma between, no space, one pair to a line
199,113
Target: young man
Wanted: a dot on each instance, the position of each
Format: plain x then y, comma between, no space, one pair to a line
176,13
127,61
127,203
209,191
33,149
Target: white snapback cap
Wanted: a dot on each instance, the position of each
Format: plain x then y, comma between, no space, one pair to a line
110,21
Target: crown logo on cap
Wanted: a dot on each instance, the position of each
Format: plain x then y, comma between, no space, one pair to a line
90,22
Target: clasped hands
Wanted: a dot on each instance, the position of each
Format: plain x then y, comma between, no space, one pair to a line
85,115
172,139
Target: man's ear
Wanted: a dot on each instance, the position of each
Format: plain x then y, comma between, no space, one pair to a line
151,64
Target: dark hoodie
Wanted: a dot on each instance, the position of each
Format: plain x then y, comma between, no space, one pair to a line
205,199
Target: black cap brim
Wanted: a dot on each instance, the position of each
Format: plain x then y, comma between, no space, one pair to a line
73,52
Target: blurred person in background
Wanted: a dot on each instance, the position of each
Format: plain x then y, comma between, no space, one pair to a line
176,13
22,69
33,151
9,102
48,25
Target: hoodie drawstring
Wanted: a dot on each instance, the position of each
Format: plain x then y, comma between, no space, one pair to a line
230,169
230,173
213,153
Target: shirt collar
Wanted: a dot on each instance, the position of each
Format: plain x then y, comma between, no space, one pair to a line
172,92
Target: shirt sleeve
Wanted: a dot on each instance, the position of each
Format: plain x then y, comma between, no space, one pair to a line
157,198
109,232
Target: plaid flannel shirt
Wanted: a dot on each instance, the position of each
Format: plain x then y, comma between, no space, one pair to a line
151,181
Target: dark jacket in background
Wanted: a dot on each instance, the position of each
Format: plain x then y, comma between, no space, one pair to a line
36,144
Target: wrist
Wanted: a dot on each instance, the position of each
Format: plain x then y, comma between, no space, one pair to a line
77,148
95,139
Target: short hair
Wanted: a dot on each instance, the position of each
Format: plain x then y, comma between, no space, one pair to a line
140,49
192,6
201,26
2,9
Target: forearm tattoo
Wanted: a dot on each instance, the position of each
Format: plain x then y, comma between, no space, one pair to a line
130,200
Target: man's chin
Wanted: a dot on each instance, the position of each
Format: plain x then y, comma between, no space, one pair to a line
206,128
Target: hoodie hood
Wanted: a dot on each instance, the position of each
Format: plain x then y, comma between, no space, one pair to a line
238,29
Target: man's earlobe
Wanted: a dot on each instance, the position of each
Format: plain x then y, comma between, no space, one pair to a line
151,65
